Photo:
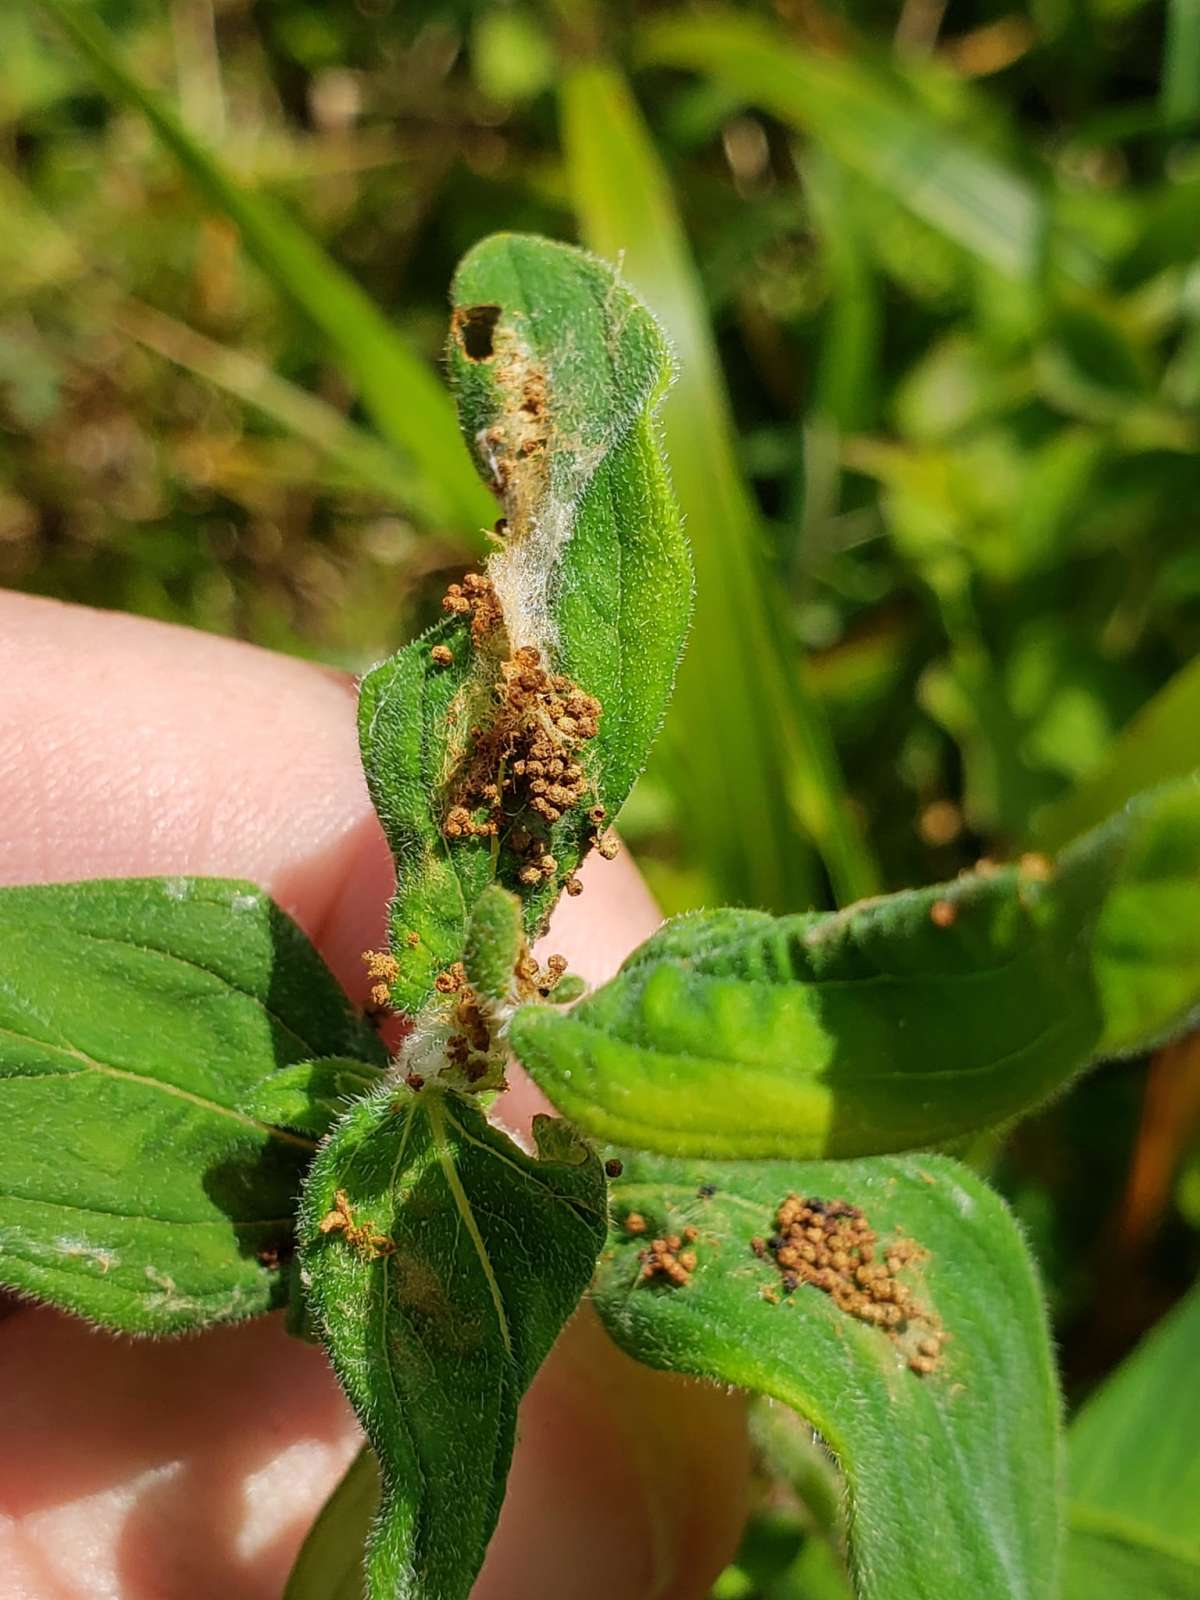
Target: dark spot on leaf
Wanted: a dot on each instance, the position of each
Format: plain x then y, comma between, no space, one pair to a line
474,327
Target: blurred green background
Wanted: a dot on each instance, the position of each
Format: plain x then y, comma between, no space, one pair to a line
932,272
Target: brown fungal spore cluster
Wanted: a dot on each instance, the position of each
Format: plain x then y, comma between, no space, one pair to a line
383,968
523,771
831,1245
538,983
470,1046
475,598
670,1258
473,1045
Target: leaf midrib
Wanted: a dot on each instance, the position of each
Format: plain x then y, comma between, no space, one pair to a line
437,1129
122,1074
222,983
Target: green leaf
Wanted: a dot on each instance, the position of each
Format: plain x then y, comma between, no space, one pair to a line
875,125
330,1563
405,734
399,390
1180,88
951,1474
559,371
1109,1558
847,383
136,1017
310,1096
438,1297
494,943
749,750
907,1020
1161,743
1135,1473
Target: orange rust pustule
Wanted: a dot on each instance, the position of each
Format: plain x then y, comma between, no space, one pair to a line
830,1245
523,767
474,597
943,913
666,1258
534,982
470,1046
382,966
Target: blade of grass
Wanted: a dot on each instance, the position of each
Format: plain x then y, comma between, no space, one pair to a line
746,736
402,394
1134,1472
1180,91
847,380
867,121
364,458
361,455
1161,743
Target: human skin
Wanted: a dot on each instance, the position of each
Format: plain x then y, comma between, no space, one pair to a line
166,1471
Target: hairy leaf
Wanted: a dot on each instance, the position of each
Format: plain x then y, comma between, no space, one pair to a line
136,1019
903,1021
559,371
407,724
950,1473
440,1263
310,1096
494,943
1135,1473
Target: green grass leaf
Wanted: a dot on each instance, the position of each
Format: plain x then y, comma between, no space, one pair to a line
467,1258
749,751
401,392
559,371
1180,89
878,128
1135,1473
951,1475
908,1020
359,454
1133,1445
1110,1557
136,1017
1161,743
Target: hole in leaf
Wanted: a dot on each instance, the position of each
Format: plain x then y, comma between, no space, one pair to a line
475,326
